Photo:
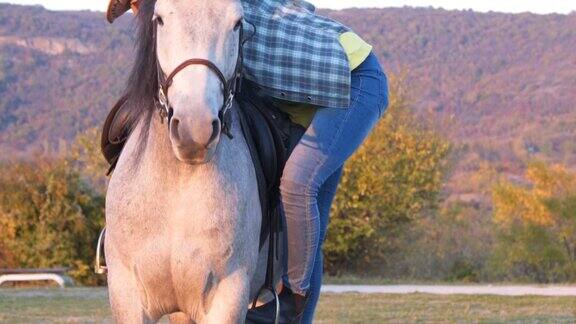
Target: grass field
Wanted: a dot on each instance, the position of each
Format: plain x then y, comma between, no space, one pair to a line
85,305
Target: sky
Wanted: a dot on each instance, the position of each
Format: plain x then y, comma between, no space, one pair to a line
536,6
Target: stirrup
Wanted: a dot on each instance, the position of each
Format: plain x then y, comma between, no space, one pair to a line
276,300
100,267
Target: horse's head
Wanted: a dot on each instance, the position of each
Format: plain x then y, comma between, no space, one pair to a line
188,59
207,31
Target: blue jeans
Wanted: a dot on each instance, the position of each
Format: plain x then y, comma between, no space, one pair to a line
313,171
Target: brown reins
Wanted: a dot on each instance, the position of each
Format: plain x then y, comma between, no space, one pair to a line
231,86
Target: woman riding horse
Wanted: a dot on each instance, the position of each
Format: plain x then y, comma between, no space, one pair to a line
328,80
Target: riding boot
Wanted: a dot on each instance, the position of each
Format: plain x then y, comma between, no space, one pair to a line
291,310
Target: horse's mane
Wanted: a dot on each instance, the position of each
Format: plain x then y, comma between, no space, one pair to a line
142,83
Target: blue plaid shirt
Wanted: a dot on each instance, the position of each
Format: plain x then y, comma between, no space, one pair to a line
295,55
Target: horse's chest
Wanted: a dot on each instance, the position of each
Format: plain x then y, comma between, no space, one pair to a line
200,214
178,236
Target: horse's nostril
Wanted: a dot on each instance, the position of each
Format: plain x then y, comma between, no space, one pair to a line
174,122
197,135
215,131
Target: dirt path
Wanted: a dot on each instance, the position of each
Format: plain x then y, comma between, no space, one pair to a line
457,290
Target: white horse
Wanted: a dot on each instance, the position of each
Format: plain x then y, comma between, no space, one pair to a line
182,211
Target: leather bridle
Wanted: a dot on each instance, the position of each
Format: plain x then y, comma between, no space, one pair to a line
231,86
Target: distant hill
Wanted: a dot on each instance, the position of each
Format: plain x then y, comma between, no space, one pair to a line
503,84
59,73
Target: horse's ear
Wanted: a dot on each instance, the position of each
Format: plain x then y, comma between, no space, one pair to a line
117,8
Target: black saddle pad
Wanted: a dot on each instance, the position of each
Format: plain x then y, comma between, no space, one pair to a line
271,137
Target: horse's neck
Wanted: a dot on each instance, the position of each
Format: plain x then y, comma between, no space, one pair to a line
158,148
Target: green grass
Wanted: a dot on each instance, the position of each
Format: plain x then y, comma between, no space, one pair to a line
356,308
88,305
74,305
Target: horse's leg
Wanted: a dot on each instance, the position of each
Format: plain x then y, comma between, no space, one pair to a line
125,298
180,318
230,301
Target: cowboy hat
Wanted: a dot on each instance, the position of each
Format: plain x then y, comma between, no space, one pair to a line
117,8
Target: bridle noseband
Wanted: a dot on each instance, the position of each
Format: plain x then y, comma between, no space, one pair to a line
231,86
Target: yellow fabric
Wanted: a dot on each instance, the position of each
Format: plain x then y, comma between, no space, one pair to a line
301,114
357,51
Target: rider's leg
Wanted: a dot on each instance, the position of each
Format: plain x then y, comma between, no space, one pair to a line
333,137
325,198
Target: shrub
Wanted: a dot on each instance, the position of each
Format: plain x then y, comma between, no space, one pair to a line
49,217
393,178
536,226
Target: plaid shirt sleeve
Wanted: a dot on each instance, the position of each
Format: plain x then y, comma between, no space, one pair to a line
294,54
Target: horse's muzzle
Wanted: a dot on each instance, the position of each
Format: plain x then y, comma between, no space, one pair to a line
194,144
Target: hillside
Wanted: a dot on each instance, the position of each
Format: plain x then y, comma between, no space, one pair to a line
58,74
503,85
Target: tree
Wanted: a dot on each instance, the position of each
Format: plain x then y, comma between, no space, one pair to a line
537,225
389,182
49,217
86,158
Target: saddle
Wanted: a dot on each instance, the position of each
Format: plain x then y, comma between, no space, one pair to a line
271,137
270,134
115,132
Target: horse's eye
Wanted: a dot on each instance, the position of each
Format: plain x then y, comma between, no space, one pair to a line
158,20
238,25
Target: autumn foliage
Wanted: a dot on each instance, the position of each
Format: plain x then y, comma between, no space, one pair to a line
537,225
391,181
49,217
